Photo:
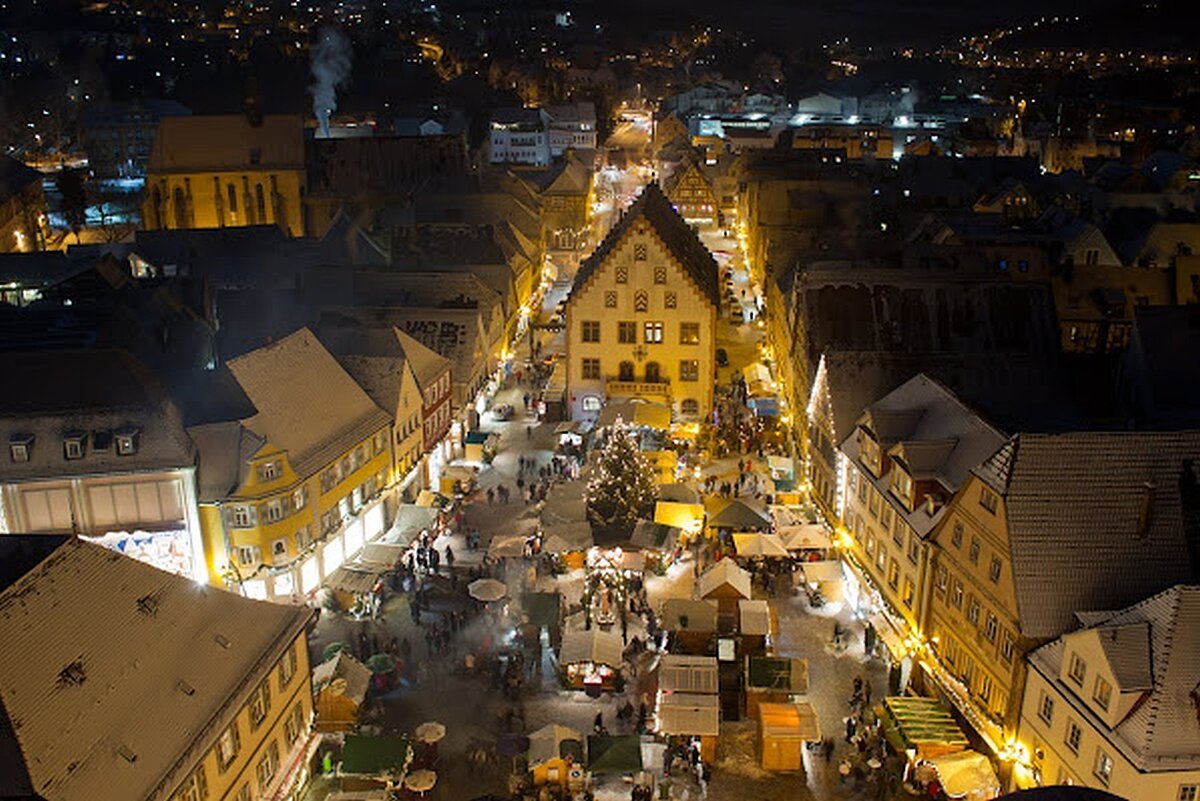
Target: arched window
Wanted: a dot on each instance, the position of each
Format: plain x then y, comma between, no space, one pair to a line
690,407
625,371
653,373
260,203
232,199
180,202
156,207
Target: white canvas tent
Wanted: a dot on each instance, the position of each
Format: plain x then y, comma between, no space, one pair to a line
596,646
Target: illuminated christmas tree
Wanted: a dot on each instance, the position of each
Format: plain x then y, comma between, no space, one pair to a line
621,489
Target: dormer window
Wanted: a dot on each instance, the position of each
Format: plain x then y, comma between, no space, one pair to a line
869,452
1102,693
269,471
902,485
127,441
20,446
74,444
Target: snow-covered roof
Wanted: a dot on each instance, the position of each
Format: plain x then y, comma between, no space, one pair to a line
118,677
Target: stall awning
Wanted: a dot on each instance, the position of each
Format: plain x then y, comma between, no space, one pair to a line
654,536
685,516
566,537
554,742
754,618
355,676
685,614
567,427
781,466
381,555
349,578
789,722
737,515
755,544
724,578
614,754
819,572
912,722
460,473
966,774
411,520
809,535
688,674
596,646
689,714
887,632
510,546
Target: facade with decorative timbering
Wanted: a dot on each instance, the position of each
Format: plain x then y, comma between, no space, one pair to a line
641,317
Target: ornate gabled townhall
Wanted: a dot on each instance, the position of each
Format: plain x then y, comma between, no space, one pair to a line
641,318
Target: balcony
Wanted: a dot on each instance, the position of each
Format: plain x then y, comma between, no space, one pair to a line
637,389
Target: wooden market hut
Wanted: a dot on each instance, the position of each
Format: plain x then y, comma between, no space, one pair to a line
692,625
725,583
783,729
679,673
340,683
774,679
658,541
920,724
689,715
591,659
754,625
553,751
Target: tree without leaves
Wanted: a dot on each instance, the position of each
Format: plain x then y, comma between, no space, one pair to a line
74,198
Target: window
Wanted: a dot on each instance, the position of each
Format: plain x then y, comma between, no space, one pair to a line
227,746
994,570
259,704
941,580
303,538
269,471
591,330
20,446
653,373
1046,708
956,597
622,274
956,537
985,688
1074,733
914,547
653,333
127,441
73,444
641,300
1102,693
881,557
689,333
1188,792
690,407
990,627
194,787
909,592
1078,669
885,517
287,668
242,516
248,555
660,274
591,403
300,498
973,611
639,252
987,499
293,727
243,793
902,485
265,770
1104,764
591,369
689,370
1006,646
973,553
610,299
626,332
670,300
273,510
894,574
625,371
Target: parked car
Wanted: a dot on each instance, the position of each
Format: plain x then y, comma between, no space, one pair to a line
722,358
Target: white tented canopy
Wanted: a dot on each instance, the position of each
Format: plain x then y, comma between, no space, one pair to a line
725,573
755,544
809,535
381,554
689,714
820,572
596,646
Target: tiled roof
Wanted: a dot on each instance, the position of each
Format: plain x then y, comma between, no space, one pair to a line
1127,649
1095,521
117,676
427,363
307,404
680,240
1161,733
227,141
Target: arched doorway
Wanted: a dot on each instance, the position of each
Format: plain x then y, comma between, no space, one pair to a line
653,373
625,371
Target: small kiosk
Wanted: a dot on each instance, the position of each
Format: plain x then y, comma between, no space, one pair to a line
783,729
754,625
691,624
590,660
341,683
690,716
553,751
725,583
774,679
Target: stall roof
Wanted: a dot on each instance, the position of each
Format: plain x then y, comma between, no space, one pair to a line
679,493
920,721
809,535
343,666
543,608
698,615
785,674
635,413
512,545
688,674
553,742
382,555
829,570
754,618
725,573
411,520
965,772
686,516
789,721
654,536
567,427
383,755
564,537
689,714
735,514
354,578
600,647
614,754
756,544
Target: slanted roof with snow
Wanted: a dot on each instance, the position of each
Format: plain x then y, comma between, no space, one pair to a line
118,677
307,404
725,575
593,645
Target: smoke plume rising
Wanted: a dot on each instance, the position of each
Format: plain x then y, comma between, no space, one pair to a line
331,55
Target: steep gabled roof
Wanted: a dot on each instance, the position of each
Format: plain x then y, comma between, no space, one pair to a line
427,364
679,239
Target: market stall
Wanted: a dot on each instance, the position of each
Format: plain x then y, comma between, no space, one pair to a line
725,583
680,673
568,541
920,726
783,729
353,584
758,545
808,541
692,624
381,758
735,515
590,660
411,519
823,578
614,754
553,751
964,774
479,447
689,716
658,542
456,480
341,684
687,517
774,680
754,625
